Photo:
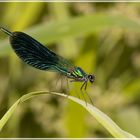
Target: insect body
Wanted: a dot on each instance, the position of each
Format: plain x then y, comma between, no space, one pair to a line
35,54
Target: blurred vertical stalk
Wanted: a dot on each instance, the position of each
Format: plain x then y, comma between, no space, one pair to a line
109,48
60,11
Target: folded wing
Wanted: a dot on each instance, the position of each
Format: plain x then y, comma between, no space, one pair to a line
35,54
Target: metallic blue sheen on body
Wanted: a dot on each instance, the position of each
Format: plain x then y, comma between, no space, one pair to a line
37,55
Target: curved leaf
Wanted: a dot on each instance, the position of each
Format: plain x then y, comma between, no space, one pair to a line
102,118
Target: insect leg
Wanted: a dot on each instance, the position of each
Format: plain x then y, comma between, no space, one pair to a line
85,86
88,94
61,84
63,78
59,76
65,85
83,92
82,86
68,90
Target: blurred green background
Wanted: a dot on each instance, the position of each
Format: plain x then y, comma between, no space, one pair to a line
101,38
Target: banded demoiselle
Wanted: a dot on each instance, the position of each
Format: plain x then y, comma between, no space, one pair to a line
35,54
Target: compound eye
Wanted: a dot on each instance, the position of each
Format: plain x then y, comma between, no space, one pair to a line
91,78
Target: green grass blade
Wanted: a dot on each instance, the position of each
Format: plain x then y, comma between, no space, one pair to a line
8,114
102,118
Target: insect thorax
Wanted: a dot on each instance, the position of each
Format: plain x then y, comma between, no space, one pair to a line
78,74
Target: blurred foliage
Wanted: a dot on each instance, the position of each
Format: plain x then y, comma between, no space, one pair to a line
102,38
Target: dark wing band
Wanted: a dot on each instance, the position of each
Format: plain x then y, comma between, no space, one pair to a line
32,52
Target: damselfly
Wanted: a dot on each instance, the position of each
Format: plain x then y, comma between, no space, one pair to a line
35,54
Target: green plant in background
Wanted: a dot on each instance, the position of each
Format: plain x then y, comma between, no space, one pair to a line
98,37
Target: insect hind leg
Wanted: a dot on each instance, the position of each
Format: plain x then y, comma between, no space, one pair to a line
67,90
57,81
84,86
88,94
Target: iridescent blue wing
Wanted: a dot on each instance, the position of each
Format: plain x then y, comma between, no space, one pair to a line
35,54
